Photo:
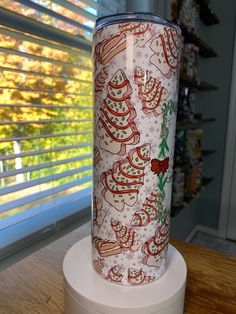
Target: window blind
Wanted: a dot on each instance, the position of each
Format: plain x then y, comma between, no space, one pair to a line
45,112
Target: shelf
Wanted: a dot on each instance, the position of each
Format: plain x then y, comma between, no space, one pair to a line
204,49
207,153
185,125
207,16
200,85
205,182
206,86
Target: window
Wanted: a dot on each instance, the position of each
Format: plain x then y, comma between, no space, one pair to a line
45,112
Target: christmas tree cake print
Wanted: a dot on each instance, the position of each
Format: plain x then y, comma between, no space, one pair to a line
100,79
98,265
149,211
116,126
142,32
114,274
155,248
137,277
115,44
128,239
166,48
99,214
151,92
123,181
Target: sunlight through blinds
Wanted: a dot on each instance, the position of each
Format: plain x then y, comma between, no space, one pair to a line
45,108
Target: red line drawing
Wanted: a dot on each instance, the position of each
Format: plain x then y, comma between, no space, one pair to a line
123,181
116,126
151,91
166,48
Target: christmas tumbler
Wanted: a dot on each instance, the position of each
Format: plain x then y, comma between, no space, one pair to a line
136,68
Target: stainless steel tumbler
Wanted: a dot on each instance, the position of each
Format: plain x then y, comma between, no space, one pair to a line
136,68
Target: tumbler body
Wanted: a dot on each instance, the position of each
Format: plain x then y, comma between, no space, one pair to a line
136,69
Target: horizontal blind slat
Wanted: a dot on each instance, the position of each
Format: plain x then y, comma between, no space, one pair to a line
27,138
44,151
48,91
44,91
90,3
80,196
45,121
74,8
39,209
44,59
9,173
31,183
43,9
41,74
46,106
37,196
44,43
28,25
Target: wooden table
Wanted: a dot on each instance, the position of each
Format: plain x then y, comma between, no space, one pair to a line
34,285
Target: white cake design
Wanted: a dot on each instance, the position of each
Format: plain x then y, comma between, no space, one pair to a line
151,92
100,79
137,277
116,126
98,213
166,48
149,211
123,181
129,34
114,274
156,247
128,239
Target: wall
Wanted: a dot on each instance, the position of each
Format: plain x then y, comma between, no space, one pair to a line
160,7
215,104
141,6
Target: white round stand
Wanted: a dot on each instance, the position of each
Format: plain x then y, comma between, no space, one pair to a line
87,293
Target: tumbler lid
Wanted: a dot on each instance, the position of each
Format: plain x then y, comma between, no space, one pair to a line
134,16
